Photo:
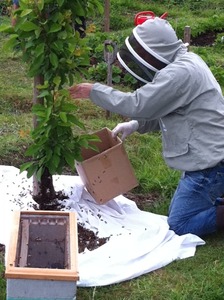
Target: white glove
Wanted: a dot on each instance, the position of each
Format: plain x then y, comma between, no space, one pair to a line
125,128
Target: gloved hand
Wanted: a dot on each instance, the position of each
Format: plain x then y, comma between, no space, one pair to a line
125,128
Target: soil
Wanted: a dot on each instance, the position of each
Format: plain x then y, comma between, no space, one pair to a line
205,39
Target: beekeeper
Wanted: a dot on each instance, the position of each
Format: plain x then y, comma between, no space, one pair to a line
180,97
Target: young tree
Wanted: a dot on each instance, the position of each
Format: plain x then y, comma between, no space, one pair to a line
46,33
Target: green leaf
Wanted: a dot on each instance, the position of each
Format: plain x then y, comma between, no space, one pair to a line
71,79
63,35
74,120
6,28
37,107
93,147
54,28
31,170
57,150
57,80
55,160
68,107
63,117
53,59
49,153
79,7
69,159
40,5
26,12
43,86
39,173
43,94
117,79
39,49
60,2
38,32
25,166
51,167
32,150
28,26
35,65
11,43
84,143
58,45
40,114
48,112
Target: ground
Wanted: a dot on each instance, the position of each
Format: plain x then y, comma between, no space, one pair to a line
205,39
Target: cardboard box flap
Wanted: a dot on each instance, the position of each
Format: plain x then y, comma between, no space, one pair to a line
106,142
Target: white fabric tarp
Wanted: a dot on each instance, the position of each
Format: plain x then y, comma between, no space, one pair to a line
139,242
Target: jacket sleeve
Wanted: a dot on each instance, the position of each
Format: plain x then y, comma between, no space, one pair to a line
167,92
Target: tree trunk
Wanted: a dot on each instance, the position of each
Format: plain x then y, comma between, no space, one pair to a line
43,190
46,187
107,16
46,197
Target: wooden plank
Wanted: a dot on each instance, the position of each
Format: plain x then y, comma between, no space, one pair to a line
14,235
44,274
23,251
45,212
73,242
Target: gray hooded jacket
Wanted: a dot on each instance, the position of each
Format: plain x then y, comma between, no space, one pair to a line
184,101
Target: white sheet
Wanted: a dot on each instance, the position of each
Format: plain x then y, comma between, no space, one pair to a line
139,242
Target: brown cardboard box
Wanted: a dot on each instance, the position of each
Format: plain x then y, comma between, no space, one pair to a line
107,173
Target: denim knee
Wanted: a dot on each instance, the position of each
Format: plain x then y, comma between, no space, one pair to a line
175,226
200,224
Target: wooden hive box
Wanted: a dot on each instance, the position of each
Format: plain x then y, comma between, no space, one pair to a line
42,256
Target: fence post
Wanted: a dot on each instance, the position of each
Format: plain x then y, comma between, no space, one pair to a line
110,52
187,36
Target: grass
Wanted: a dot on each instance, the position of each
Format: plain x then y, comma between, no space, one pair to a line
199,277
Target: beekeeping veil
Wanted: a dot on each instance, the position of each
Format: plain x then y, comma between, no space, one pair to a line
151,47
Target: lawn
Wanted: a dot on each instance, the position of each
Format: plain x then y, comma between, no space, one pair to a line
199,277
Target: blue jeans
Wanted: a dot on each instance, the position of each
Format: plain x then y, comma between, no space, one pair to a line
194,204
